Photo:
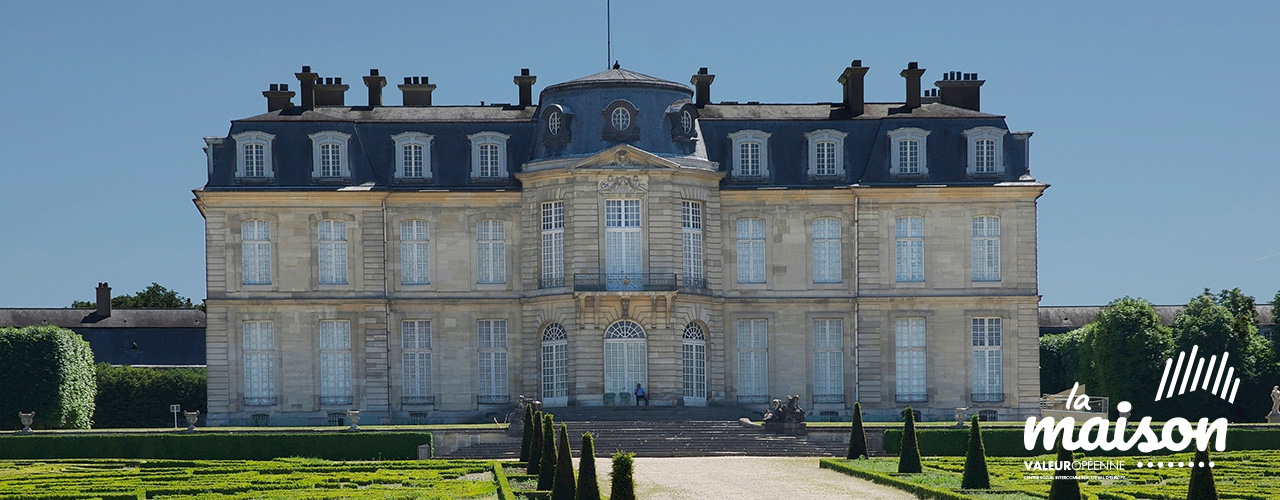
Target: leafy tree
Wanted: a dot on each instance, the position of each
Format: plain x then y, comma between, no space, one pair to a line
909,456
1202,486
547,470
564,489
1210,324
857,436
588,487
624,485
154,296
526,435
1061,360
1129,347
534,467
1243,310
975,460
1065,486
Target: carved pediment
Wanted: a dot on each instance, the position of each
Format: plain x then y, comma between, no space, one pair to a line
621,184
624,155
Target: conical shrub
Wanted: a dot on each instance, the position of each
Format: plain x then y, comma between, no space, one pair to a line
975,461
1065,486
535,446
564,489
1202,486
588,487
526,436
624,485
547,469
909,454
857,437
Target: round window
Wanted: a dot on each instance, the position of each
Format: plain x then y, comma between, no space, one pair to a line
554,121
686,122
621,118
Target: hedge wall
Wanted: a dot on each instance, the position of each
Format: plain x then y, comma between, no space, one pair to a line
217,446
1007,441
919,490
48,370
140,397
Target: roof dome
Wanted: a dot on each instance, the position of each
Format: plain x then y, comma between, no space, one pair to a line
619,77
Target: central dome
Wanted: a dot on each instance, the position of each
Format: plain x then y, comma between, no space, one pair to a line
619,77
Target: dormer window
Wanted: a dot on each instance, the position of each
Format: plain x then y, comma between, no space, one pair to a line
413,155
620,119
556,119
986,145
554,122
750,153
253,154
329,155
620,122
682,117
826,153
488,155
909,152
686,121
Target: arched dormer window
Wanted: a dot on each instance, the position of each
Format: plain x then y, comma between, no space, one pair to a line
908,152
489,155
826,153
750,153
253,155
329,155
621,122
413,155
986,150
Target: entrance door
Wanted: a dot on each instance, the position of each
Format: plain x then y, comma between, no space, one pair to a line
555,366
625,358
695,366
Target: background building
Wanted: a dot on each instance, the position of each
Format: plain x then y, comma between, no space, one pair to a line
424,260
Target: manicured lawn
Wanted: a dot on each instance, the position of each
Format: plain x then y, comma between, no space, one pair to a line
282,479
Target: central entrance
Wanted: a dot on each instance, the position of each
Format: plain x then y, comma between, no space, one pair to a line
626,362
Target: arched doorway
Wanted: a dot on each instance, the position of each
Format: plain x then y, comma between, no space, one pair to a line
694,346
626,362
555,366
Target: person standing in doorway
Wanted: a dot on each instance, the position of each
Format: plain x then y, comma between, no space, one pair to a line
640,394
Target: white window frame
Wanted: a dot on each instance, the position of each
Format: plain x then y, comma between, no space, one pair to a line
318,140
988,360
331,252
415,252
691,222
552,244
753,360
911,359
751,254
335,362
258,344
255,252
491,251
896,137
405,139
985,252
908,249
415,367
828,360
623,240
826,136
994,134
496,138
491,339
737,139
253,137
827,252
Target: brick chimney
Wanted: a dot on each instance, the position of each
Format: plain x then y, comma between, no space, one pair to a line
962,90
307,81
375,84
332,92
278,97
525,82
851,80
912,74
702,87
416,90
104,299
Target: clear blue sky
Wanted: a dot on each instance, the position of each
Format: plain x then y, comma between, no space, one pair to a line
1155,122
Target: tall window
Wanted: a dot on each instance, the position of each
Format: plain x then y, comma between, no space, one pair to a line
828,360
753,361
749,158
414,262
255,252
826,250
259,364
555,365
909,248
491,252
826,158
988,371
411,157
691,238
985,156
910,341
330,162
909,156
552,244
751,251
492,335
333,252
489,160
694,357
622,235
255,164
335,362
415,340
986,248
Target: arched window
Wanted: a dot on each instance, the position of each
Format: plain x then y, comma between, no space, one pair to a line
625,357
555,366
624,329
694,349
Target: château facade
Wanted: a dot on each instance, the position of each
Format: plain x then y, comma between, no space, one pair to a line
424,262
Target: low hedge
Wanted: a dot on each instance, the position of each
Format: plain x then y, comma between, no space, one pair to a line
919,490
1007,442
132,397
217,446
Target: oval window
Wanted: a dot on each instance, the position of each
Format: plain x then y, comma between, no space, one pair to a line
620,118
554,121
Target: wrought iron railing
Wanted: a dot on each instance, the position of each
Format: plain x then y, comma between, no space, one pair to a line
260,401
335,400
758,398
418,400
987,397
601,282
493,399
693,282
828,398
552,282
912,398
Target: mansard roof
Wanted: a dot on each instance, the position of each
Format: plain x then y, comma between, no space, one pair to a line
618,76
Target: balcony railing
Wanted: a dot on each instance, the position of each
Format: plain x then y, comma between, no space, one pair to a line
912,398
987,397
753,398
418,400
335,400
260,401
602,282
828,398
493,399
551,282
693,282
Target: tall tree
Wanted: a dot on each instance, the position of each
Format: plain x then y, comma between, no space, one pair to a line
534,467
1065,485
526,434
624,485
1202,486
909,452
154,296
547,470
588,487
1129,349
564,489
975,460
857,436
1243,308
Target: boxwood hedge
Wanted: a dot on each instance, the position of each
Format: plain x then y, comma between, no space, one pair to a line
48,370
140,397
217,446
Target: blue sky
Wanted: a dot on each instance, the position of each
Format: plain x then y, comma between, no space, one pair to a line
1155,122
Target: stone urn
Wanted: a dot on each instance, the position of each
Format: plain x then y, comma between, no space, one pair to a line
962,414
27,419
192,417
353,416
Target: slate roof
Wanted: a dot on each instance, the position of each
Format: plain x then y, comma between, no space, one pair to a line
412,114
831,111
618,76
88,318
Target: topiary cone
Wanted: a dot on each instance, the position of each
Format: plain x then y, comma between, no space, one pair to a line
857,437
564,489
588,487
975,461
1065,486
1202,486
535,447
547,469
526,435
624,486
909,456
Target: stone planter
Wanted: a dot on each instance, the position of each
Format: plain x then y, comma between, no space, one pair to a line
353,416
192,417
27,420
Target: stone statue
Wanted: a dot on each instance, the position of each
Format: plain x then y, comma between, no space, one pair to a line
776,412
794,412
1275,399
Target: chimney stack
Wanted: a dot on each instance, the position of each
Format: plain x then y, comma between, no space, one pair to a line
525,82
307,81
852,80
375,84
702,87
962,90
416,91
278,97
332,92
912,74
104,300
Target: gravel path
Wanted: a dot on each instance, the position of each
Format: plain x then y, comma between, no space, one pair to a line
745,478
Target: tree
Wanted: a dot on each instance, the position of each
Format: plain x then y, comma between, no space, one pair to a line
526,434
909,454
534,467
1061,359
47,370
1129,347
975,461
1243,309
624,485
564,489
1202,486
588,487
857,437
1065,486
547,469
154,296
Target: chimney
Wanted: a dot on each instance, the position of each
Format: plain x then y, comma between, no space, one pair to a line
962,90
416,90
307,80
702,87
375,84
332,92
525,82
278,97
912,74
851,80
104,300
